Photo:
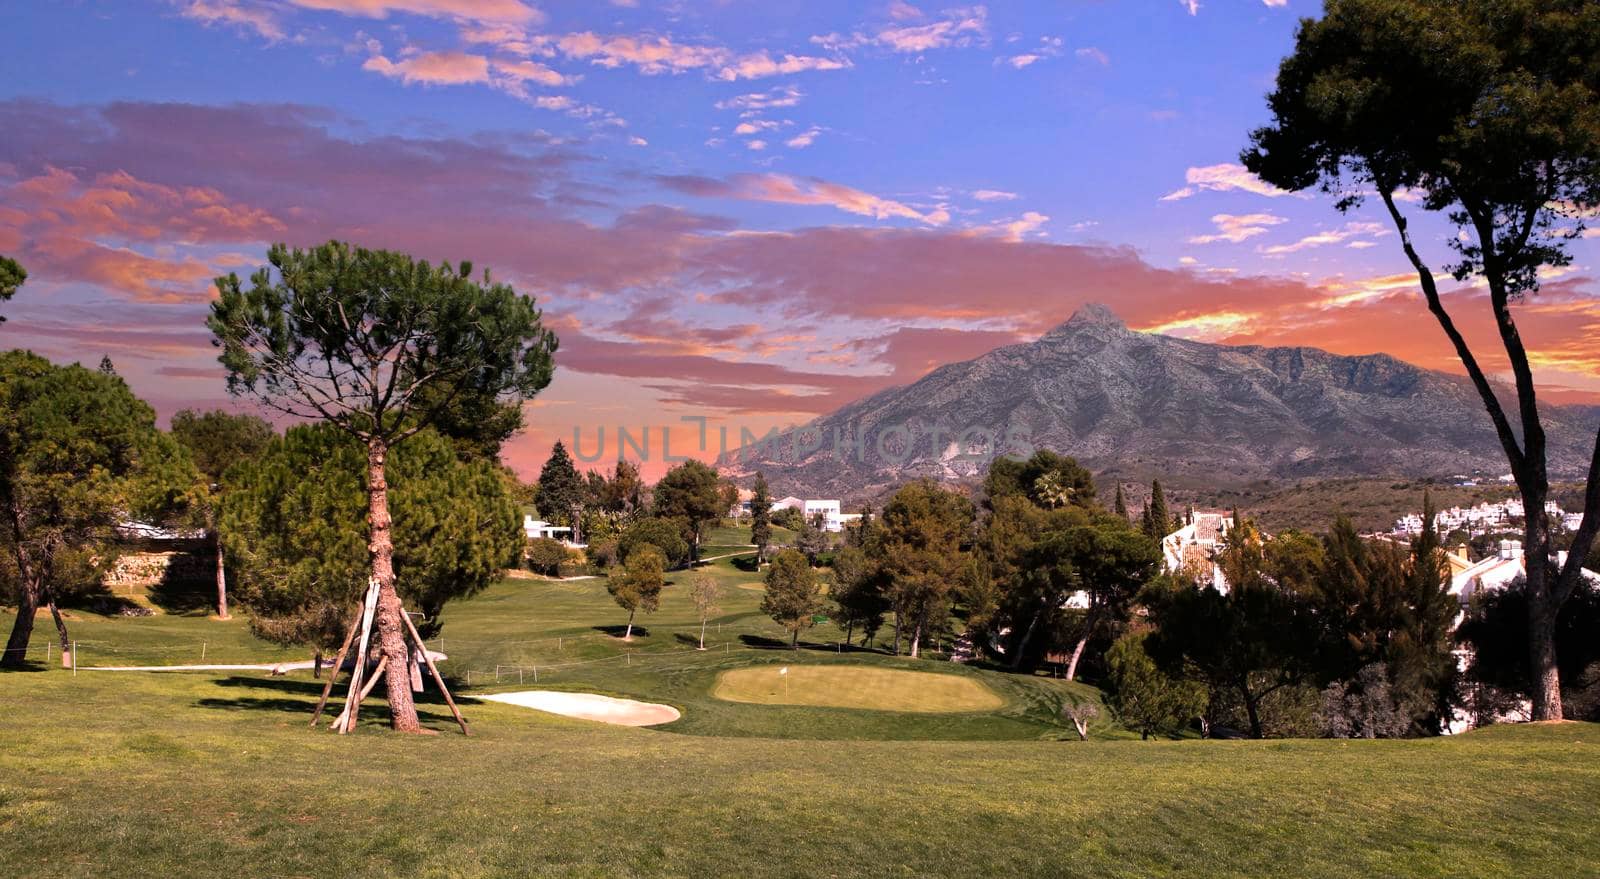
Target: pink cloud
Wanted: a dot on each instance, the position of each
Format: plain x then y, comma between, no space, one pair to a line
432,68
1223,178
508,11
232,13
783,189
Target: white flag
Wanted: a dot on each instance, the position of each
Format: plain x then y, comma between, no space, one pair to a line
784,670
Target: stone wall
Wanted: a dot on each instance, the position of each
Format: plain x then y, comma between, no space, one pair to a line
134,569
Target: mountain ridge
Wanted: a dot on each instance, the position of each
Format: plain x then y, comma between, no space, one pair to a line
1135,405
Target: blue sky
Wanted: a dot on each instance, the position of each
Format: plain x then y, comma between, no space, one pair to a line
751,211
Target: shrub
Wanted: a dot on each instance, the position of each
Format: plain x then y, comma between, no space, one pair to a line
546,555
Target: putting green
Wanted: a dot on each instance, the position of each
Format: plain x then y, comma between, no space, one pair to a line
853,686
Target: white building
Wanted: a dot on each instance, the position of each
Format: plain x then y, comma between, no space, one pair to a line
539,528
1194,546
833,519
828,510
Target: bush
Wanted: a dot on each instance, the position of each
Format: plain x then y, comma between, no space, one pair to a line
1365,708
790,518
1145,698
664,534
604,554
546,555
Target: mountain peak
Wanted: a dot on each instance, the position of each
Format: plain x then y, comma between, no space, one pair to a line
1090,315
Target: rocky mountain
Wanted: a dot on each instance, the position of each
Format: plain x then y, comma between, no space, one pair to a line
1134,405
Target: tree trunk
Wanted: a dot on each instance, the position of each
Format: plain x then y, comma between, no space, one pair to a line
391,637
1253,710
16,655
849,632
628,635
316,663
702,633
1545,684
61,624
794,640
897,633
222,580
1022,645
916,639
1077,653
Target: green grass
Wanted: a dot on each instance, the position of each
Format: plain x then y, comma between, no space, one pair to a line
202,774
205,775
844,686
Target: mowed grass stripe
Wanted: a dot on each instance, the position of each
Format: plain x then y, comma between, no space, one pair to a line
848,686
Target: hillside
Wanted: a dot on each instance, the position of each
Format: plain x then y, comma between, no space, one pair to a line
1135,405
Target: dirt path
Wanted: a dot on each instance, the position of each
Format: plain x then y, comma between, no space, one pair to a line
728,555
274,667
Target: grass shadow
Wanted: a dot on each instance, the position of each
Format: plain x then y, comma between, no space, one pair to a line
618,631
308,691
749,564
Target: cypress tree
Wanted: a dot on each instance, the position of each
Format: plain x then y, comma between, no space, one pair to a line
1121,507
1157,521
760,515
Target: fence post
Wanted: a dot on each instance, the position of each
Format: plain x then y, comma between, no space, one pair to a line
536,674
47,644
497,674
202,651
519,675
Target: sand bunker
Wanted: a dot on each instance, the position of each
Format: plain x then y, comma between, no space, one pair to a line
590,706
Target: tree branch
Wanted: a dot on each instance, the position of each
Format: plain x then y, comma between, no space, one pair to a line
1588,528
1430,289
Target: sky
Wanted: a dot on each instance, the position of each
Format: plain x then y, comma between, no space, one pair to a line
736,215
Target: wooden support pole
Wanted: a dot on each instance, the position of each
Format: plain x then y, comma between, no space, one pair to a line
352,705
437,678
338,666
348,720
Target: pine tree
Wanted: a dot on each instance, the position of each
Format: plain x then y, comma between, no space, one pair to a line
78,453
215,441
793,596
12,275
382,346
637,584
561,489
760,515
292,525
689,493
1121,507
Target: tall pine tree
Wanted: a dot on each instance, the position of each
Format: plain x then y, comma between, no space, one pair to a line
561,489
760,515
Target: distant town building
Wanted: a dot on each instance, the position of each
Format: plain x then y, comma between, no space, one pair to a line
1485,518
